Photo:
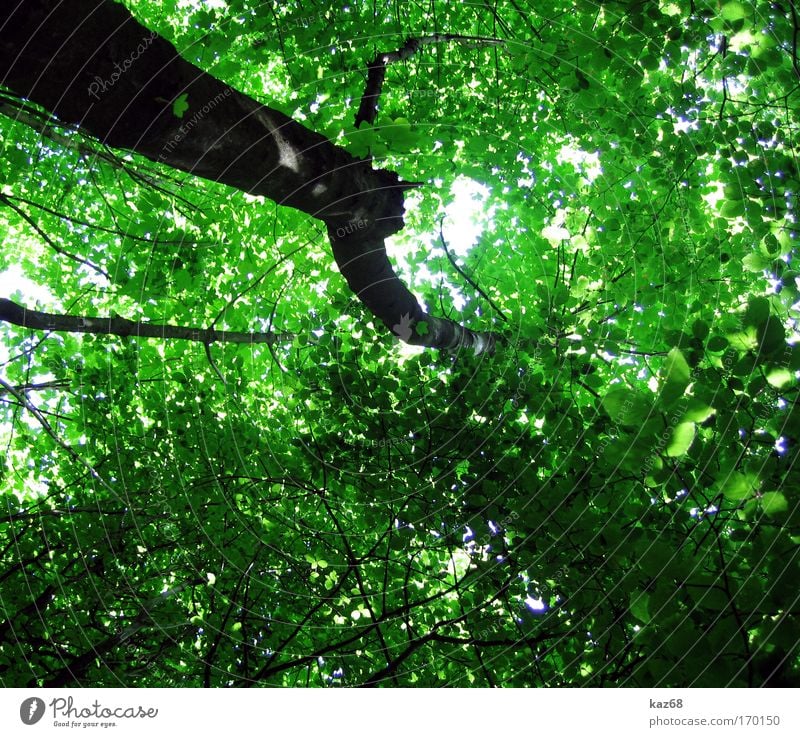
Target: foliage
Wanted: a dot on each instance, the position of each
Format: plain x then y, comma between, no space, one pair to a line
610,500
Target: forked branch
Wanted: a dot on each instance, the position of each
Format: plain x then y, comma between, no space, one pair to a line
376,69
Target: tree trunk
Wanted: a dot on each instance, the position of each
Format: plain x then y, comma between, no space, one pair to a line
90,63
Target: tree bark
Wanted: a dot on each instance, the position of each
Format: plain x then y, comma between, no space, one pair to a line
91,64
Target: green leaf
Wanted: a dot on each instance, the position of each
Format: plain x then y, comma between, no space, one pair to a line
779,377
626,407
675,369
755,262
737,486
732,209
360,141
700,329
180,105
640,606
771,335
771,244
399,136
774,503
697,411
733,10
682,437
757,311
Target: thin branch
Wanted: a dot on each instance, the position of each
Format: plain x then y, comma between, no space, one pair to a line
795,31
376,69
48,428
35,387
284,287
50,242
465,277
47,127
253,284
121,326
210,358
117,231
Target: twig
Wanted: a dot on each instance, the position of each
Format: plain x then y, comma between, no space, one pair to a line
210,358
522,14
257,281
269,325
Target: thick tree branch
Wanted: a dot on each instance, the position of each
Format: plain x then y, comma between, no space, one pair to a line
370,276
91,64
